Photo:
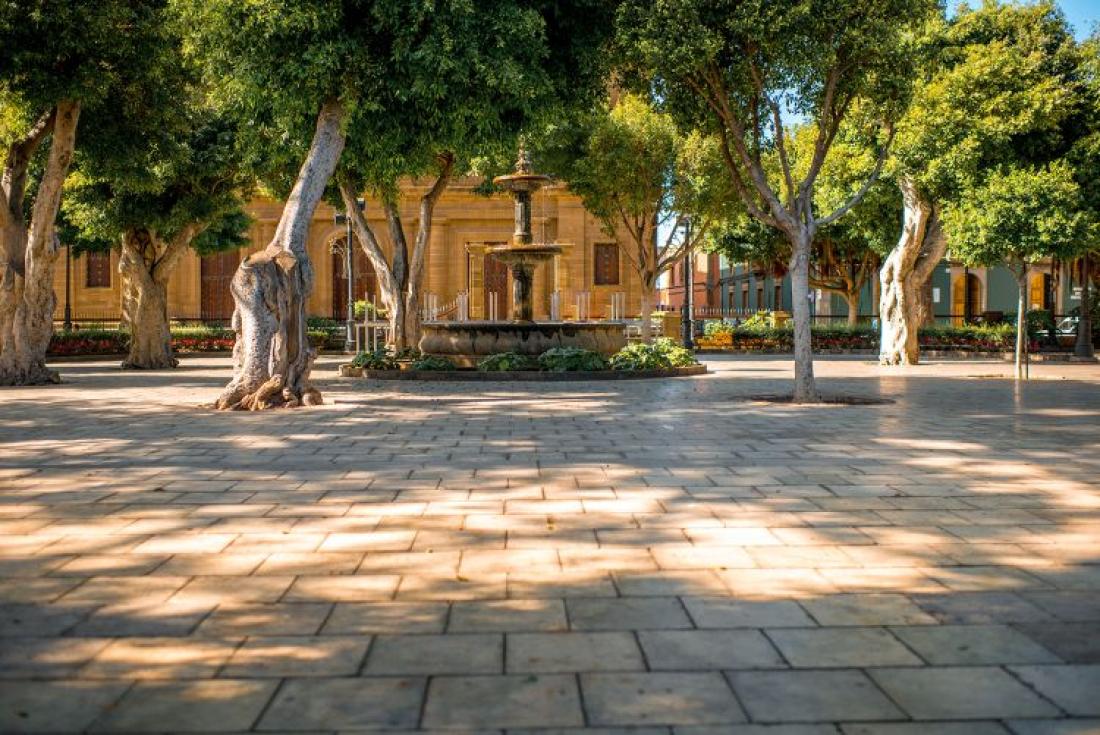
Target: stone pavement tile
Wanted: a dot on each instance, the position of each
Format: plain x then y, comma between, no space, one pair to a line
1076,689
680,650
822,729
413,562
388,540
114,565
981,607
1072,577
988,578
467,653
637,613
1054,727
737,536
22,619
572,652
345,704
140,618
1077,643
199,706
291,618
776,583
270,543
798,557
717,612
659,698
386,617
313,563
867,609
841,647
569,583
895,555
507,616
52,658
488,561
923,728
224,563
190,543
160,658
40,589
55,706
811,696
221,590
1068,605
910,580
342,588
961,693
293,656
973,644
526,700
688,556
109,590
592,731
822,536
662,584
453,587
619,558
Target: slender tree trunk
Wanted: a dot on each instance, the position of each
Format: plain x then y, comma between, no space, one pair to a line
805,389
904,273
1083,347
26,282
852,299
1021,320
649,289
273,355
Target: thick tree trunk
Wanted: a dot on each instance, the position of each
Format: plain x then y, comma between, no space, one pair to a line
1021,320
273,355
145,304
903,276
26,281
805,388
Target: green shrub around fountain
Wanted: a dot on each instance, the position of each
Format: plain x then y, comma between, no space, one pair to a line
380,359
662,354
430,362
571,359
506,362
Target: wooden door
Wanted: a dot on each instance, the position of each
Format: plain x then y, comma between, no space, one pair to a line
215,274
366,281
495,280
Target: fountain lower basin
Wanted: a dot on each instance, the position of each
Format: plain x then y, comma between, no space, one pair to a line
465,343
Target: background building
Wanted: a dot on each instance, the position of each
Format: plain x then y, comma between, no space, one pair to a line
590,268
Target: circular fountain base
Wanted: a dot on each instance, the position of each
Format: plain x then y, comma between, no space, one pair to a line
465,343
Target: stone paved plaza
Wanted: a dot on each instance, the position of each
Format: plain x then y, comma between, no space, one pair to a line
644,557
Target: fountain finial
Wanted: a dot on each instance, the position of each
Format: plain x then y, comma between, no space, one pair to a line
523,159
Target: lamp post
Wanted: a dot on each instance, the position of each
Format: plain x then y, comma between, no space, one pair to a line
68,325
687,324
341,218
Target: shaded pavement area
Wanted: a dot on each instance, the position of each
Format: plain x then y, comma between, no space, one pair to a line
620,557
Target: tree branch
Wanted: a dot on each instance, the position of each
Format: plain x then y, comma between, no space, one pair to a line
858,196
15,168
364,233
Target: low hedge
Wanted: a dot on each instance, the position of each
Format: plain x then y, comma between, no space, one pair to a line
185,340
978,338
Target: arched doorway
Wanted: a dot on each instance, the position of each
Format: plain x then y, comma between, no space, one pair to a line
215,273
966,298
366,281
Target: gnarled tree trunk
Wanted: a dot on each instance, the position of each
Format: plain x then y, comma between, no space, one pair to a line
272,354
904,275
145,265
30,253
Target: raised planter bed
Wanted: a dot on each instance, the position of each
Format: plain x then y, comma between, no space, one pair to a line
348,371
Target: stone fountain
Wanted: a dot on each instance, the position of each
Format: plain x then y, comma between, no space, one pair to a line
465,343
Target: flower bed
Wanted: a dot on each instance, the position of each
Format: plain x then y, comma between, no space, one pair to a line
185,340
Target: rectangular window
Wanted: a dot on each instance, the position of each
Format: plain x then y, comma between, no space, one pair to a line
760,298
778,297
97,269
745,297
607,264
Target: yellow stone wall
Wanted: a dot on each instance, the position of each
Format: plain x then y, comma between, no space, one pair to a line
463,222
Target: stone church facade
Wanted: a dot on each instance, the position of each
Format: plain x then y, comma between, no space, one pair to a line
589,275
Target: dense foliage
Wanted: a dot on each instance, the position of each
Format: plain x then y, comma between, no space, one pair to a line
506,362
661,354
571,359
